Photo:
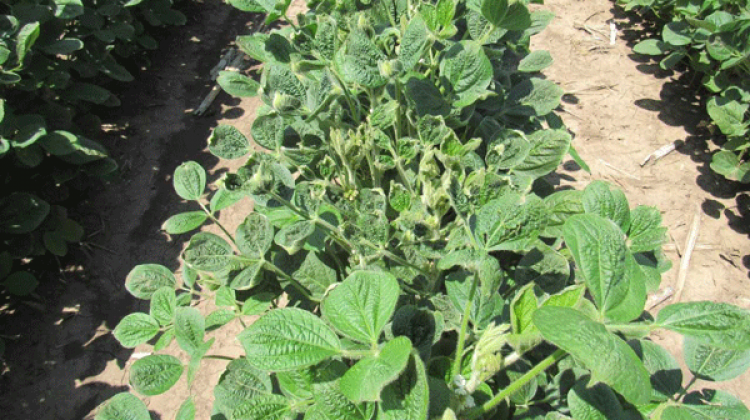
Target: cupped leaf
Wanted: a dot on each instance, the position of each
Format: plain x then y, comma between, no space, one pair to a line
255,235
365,380
532,97
716,324
227,142
184,222
145,279
293,237
123,406
237,84
287,339
155,374
189,180
536,61
207,252
361,306
136,329
609,359
646,232
609,270
239,383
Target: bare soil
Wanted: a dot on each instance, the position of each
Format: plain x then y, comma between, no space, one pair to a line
65,361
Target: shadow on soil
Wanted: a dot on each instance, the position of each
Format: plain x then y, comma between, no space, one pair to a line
59,338
682,104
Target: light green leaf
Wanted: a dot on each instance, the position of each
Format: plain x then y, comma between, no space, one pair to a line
184,222
608,358
190,328
646,232
189,180
163,304
728,164
293,237
287,339
164,340
225,198
522,309
609,270
677,33
408,398
155,374
186,411
714,363
266,407
711,323
468,70
219,318
361,306
255,235
145,279
600,199
315,276
536,61
548,148
257,304
25,39
595,403
136,329
237,84
268,131
227,142
651,47
365,380
123,406
493,10
207,252
533,97
239,383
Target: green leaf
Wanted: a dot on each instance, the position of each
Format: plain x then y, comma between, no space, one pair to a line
715,324
419,325
533,97
184,222
293,237
609,359
89,93
189,180
522,309
507,224
136,329
646,232
413,43
408,398
186,411
728,164
227,142
548,148
249,5
362,304
544,267
426,98
155,374
714,363
123,406
666,375
268,131
535,62
25,39
224,198
225,297
315,276
190,328
358,61
63,46
237,84
257,304
677,33
164,340
239,383
468,70
207,252
21,283
651,47
145,279
595,403
711,405
266,407
287,339
22,213
365,380
255,235
163,304
608,203
609,270
494,10
219,318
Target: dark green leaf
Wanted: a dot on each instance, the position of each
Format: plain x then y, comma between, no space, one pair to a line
22,213
144,280
190,328
207,252
254,236
189,180
227,142
184,222
155,374
315,276
136,329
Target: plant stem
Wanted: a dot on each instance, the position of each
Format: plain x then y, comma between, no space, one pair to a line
515,385
271,266
456,368
215,220
630,329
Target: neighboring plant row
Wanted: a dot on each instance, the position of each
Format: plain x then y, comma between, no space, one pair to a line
713,37
56,57
404,253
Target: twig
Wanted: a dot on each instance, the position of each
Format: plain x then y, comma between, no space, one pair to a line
225,59
609,165
698,247
658,298
689,247
660,153
612,32
211,97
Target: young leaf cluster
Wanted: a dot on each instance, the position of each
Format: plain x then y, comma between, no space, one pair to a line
405,256
713,37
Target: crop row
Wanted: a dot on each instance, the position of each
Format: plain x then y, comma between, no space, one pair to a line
404,252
